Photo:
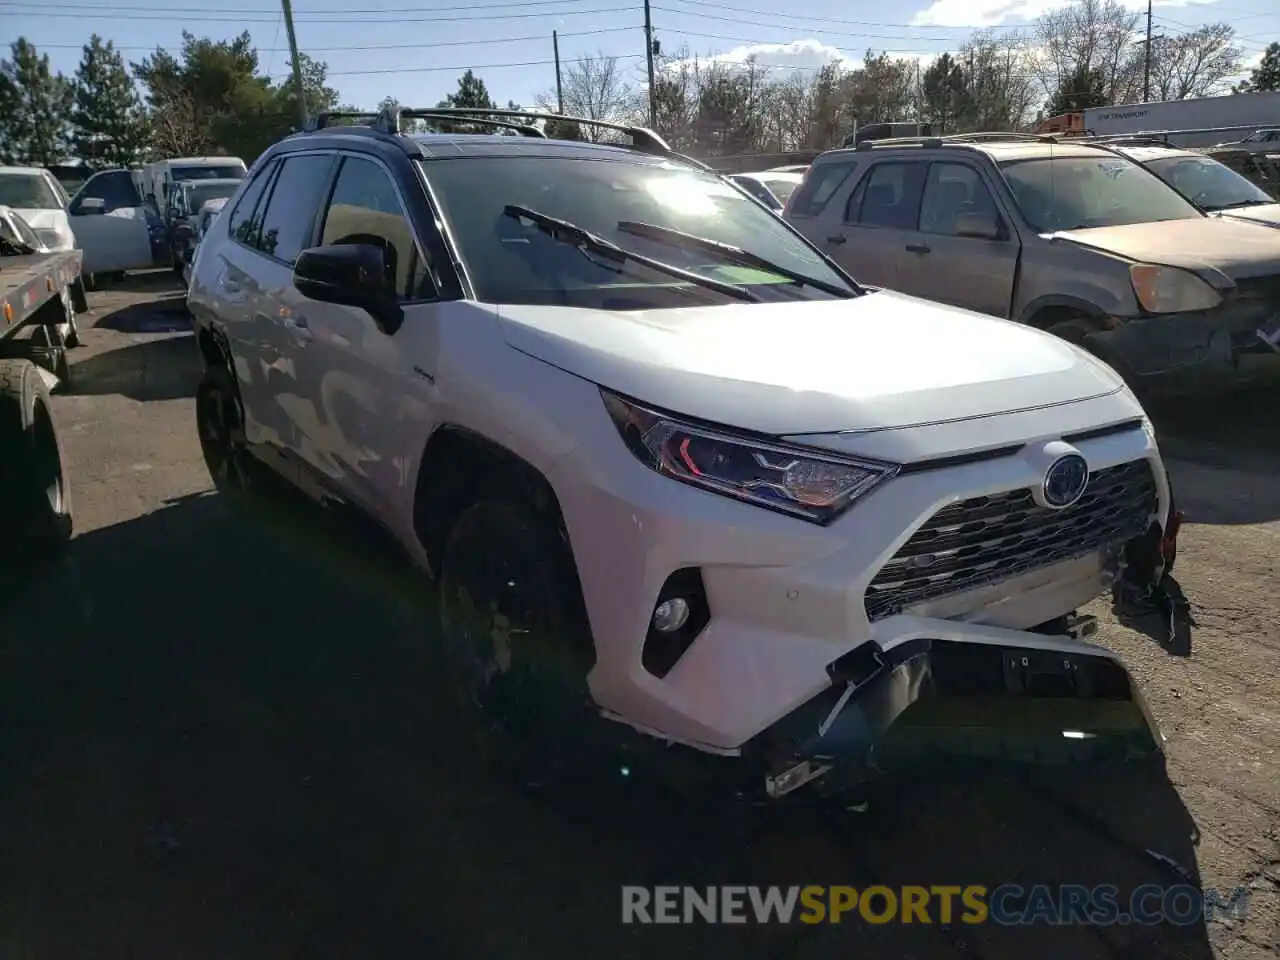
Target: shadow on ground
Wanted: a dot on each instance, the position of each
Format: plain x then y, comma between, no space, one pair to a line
167,368
167,314
222,739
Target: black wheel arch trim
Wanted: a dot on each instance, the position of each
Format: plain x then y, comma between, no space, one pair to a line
1052,300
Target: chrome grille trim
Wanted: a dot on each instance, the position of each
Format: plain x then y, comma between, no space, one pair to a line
984,540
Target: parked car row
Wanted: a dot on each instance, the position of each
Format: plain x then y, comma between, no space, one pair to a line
114,217
1109,247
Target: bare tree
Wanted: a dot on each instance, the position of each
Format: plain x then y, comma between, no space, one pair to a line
177,128
1195,64
1097,36
595,88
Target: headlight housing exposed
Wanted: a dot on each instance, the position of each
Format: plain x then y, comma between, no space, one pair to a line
1170,290
796,481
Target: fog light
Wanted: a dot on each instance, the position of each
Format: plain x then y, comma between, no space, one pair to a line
670,615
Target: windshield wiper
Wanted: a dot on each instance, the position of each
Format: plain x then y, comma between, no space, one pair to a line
571,233
728,253
1244,203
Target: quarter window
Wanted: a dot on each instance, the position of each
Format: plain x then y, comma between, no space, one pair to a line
365,208
891,196
290,217
245,221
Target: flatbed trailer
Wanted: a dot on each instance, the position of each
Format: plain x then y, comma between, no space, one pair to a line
39,295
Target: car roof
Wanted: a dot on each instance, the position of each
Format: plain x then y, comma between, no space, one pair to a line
444,146
216,181
1001,151
1147,154
775,175
24,171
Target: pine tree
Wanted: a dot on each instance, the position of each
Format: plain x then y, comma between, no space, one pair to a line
109,127
35,106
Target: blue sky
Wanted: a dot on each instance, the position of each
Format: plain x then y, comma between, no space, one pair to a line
376,48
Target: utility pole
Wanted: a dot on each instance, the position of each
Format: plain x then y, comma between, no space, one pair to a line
648,56
297,65
555,46
1146,69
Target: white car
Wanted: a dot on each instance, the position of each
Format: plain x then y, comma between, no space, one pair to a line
773,188
39,199
681,480
105,218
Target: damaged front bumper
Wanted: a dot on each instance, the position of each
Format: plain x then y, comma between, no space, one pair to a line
948,693
1236,344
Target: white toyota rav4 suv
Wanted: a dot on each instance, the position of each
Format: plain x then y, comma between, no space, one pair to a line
671,467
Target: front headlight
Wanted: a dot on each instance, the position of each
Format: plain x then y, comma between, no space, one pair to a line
792,480
1170,290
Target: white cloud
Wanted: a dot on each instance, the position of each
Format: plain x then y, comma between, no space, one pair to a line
799,56
991,13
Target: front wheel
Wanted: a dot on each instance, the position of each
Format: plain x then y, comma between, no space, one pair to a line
514,638
220,424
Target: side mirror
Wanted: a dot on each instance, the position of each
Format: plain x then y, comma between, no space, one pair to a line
978,226
90,206
351,274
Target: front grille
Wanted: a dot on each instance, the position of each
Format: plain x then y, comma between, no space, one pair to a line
988,539
1264,289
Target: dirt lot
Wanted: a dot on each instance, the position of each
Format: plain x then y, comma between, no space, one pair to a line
220,740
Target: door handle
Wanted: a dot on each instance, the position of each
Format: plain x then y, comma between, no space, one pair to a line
838,239
917,248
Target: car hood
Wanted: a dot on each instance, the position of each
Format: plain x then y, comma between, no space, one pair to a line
1210,246
876,362
44,219
1267,214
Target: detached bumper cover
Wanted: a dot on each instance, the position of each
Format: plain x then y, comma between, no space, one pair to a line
957,694
1238,342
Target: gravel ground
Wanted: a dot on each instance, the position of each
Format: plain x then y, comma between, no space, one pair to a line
220,739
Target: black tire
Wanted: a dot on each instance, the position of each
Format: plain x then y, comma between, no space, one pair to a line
515,641
220,424
35,493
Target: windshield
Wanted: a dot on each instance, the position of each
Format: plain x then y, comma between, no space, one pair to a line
510,262
198,196
229,172
28,191
1074,193
1207,182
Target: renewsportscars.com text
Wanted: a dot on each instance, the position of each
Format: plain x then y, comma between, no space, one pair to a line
1008,905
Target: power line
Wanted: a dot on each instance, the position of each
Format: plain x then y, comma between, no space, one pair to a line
229,11
43,11
376,46
786,26
461,68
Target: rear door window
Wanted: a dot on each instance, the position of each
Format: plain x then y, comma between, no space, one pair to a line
890,196
289,221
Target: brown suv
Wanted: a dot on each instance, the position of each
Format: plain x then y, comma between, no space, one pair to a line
1076,239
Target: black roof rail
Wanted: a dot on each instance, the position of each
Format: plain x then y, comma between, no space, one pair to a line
327,118
642,138
899,142
995,136
392,124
